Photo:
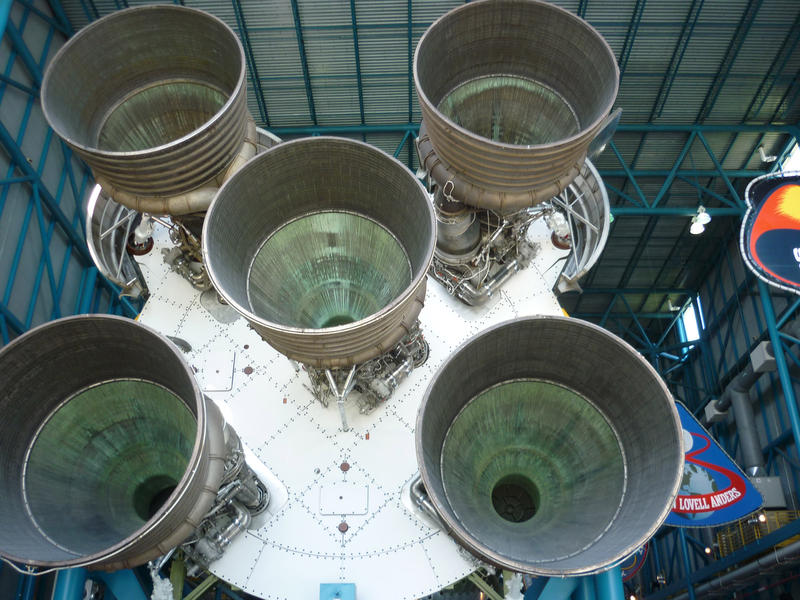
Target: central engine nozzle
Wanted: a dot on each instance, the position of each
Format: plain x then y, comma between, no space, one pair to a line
323,245
512,92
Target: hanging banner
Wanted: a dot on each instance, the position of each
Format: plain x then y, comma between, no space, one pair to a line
714,490
770,236
631,565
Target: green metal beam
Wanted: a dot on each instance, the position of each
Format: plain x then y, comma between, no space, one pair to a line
630,37
654,290
357,55
746,21
410,61
674,170
673,211
718,165
639,205
61,16
631,177
301,48
255,81
624,315
633,260
15,36
201,588
766,86
50,201
58,24
345,129
623,128
484,587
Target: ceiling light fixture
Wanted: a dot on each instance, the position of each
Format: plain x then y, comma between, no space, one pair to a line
764,157
699,221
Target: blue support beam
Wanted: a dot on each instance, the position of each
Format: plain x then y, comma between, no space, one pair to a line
26,587
401,145
673,211
630,37
608,585
409,10
793,130
33,68
5,10
301,48
673,172
56,24
123,584
88,290
780,361
585,589
19,158
400,128
775,71
637,204
357,56
70,584
745,22
710,128
559,588
704,191
629,174
61,16
12,320
722,173
44,204
633,260
675,61
255,81
20,86
627,290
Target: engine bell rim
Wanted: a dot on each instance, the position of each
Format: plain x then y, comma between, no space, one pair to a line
483,552
181,489
427,105
395,305
234,97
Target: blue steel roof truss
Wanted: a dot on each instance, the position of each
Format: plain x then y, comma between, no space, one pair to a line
44,204
252,69
359,81
312,110
630,38
775,71
745,23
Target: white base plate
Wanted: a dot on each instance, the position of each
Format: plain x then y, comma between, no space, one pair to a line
297,543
